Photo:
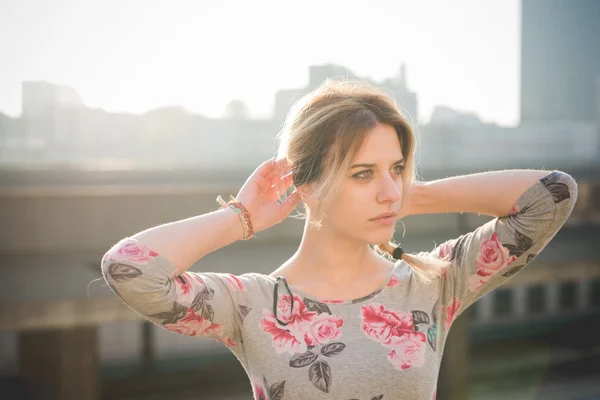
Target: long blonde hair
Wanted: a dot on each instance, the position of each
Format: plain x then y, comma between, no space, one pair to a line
324,131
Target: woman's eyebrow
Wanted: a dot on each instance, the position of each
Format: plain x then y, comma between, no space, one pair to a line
400,161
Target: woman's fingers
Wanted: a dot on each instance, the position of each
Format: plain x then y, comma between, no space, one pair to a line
279,169
286,181
289,204
265,169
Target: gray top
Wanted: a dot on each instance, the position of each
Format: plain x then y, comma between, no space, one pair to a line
387,345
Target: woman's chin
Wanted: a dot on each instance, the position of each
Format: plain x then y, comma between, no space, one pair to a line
381,237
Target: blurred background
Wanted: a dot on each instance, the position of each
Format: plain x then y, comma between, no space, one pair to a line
116,116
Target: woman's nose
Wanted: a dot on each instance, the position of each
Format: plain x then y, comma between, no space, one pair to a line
389,192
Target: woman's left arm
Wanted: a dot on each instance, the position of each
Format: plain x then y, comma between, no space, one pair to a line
489,193
530,208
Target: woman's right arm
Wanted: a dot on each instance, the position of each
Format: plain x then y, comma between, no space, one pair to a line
148,270
185,242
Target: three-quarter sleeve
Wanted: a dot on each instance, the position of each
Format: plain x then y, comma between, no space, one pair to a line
487,257
207,305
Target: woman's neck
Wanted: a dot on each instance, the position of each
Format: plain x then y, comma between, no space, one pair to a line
326,256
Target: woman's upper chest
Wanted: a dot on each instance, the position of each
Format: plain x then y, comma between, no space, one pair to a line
327,345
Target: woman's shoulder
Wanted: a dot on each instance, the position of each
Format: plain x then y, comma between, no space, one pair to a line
253,283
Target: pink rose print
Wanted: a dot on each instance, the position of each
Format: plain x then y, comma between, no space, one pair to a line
382,325
396,330
235,282
408,350
195,325
308,336
305,327
184,287
299,315
134,251
324,328
451,311
492,257
393,282
285,338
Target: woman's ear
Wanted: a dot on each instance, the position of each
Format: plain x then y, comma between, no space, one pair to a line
308,195
305,191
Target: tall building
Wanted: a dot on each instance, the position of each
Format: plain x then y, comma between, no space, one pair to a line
560,59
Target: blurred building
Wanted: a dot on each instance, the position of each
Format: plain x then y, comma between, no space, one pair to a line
395,86
560,59
443,115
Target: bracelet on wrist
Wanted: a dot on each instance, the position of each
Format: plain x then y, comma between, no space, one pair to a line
243,214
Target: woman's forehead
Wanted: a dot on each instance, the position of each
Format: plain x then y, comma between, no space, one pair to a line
381,145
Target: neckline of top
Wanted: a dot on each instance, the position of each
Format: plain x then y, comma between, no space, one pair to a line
371,295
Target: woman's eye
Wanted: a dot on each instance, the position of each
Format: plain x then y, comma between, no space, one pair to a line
364,174
398,169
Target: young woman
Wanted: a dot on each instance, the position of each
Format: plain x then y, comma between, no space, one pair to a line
339,319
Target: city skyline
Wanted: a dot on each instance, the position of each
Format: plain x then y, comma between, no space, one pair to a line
200,57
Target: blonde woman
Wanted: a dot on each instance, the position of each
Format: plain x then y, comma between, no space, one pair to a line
350,315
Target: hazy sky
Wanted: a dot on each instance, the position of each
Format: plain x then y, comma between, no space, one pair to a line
133,55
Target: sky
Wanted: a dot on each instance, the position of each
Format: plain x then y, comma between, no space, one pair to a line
134,56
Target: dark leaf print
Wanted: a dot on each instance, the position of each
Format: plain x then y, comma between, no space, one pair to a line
276,390
419,317
198,302
121,272
320,375
459,249
367,297
332,349
432,336
300,360
244,311
171,317
378,397
208,312
207,293
559,191
434,311
310,347
514,250
530,257
524,243
512,271
317,306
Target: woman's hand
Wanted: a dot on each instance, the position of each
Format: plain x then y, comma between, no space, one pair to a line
262,190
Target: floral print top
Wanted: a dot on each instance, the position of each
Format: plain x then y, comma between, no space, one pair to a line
387,345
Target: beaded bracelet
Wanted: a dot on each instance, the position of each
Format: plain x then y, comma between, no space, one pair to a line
243,213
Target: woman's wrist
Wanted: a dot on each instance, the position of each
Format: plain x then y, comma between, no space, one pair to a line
418,199
232,220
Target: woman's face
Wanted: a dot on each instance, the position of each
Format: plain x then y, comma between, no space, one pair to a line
372,187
